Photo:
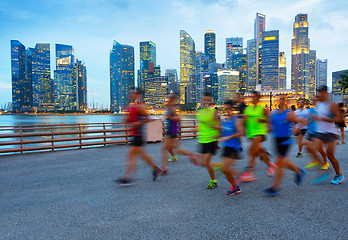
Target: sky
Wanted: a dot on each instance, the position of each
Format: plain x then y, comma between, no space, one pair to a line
90,26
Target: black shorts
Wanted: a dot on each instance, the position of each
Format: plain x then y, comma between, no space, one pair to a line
341,125
327,137
230,152
302,132
137,141
209,147
311,137
283,145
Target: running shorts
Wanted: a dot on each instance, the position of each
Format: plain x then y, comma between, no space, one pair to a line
137,141
283,145
209,148
327,137
230,152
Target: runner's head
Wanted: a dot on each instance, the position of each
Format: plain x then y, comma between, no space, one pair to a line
207,98
282,102
255,97
293,108
135,94
323,94
229,107
301,103
172,99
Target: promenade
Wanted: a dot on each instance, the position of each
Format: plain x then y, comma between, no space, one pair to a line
72,195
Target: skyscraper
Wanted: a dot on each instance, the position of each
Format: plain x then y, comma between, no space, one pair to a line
156,90
21,85
209,45
251,65
65,79
172,79
202,70
234,44
81,73
121,75
282,71
147,58
300,56
43,96
321,72
228,85
187,62
312,83
269,53
259,27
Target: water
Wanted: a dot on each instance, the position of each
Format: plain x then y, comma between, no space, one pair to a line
24,119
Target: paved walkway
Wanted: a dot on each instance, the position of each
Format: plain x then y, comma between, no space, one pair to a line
71,195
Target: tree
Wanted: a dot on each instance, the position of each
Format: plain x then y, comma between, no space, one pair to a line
344,82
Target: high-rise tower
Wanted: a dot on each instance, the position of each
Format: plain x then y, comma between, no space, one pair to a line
209,45
321,72
147,60
259,28
187,62
234,44
300,56
282,71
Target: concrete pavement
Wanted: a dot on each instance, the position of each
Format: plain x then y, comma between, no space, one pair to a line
71,195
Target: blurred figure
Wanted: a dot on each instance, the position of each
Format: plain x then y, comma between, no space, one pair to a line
300,131
342,124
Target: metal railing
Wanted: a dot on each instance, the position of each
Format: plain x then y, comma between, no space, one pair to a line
33,138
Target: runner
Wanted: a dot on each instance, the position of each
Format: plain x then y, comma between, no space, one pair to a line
342,124
327,116
171,141
302,113
232,130
256,130
136,119
281,120
208,133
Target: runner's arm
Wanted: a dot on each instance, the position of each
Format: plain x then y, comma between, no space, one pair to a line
240,131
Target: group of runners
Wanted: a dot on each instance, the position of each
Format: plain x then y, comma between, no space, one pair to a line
316,129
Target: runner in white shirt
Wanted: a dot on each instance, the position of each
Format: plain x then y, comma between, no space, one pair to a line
301,129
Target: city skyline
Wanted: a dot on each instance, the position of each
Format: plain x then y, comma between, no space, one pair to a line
92,42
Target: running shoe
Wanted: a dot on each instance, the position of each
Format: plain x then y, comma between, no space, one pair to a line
271,170
312,163
337,180
124,182
157,174
271,192
212,184
172,159
325,166
343,142
300,177
234,190
247,177
164,171
323,178
299,155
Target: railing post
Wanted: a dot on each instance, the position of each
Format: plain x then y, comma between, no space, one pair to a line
104,134
126,133
52,137
20,128
80,136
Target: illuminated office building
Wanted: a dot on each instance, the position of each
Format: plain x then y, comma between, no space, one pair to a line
337,94
43,96
259,28
155,91
251,65
239,63
65,79
21,79
312,66
81,74
282,71
202,72
300,81
269,53
187,62
232,45
228,85
121,75
321,72
173,83
209,45
147,60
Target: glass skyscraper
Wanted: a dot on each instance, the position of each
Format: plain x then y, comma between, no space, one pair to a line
65,79
156,90
209,45
232,45
187,62
259,28
43,96
172,79
121,75
312,83
269,52
228,85
251,65
81,74
282,71
202,72
239,63
21,82
147,57
321,72
300,81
